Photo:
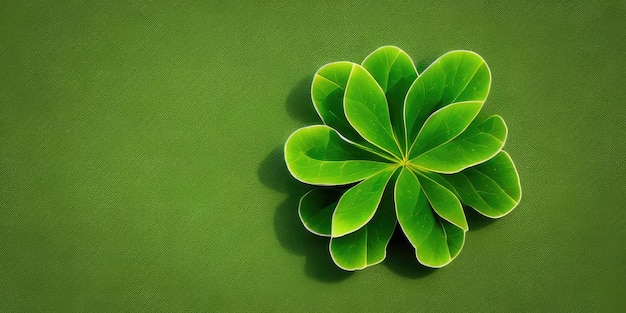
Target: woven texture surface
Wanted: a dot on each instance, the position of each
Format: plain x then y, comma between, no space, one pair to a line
141,156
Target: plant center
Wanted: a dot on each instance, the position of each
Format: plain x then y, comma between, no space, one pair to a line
404,162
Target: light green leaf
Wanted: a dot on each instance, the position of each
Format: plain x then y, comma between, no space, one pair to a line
316,209
412,208
368,245
442,245
436,242
357,205
366,108
327,90
444,125
455,238
479,143
394,71
350,252
456,76
491,188
318,155
443,201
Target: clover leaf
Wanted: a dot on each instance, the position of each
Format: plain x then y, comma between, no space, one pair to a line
398,147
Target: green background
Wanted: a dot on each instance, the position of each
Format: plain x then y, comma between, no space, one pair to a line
141,156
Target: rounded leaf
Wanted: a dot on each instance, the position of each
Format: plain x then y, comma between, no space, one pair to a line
318,155
327,91
436,241
358,205
444,125
366,108
491,188
479,143
412,208
394,72
456,76
443,201
368,245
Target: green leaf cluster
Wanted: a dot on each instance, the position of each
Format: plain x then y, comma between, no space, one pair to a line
401,148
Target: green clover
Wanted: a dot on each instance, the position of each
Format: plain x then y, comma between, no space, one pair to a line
405,149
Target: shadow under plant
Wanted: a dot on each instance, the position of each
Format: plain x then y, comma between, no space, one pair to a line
289,230
273,173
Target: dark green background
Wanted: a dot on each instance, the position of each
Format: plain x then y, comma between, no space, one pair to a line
141,164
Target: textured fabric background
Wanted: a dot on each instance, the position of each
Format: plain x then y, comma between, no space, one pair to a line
141,156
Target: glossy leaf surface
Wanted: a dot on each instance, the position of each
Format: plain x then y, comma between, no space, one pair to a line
327,91
436,242
367,111
491,188
456,76
395,72
443,201
412,208
455,238
368,245
357,205
318,155
443,125
480,142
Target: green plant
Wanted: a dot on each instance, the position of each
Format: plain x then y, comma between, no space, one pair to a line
404,149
